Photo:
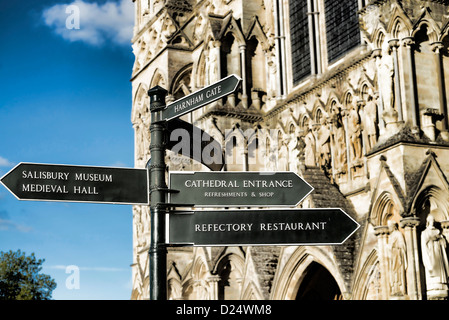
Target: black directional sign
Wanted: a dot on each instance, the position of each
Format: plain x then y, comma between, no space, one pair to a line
190,141
238,189
260,227
50,182
201,97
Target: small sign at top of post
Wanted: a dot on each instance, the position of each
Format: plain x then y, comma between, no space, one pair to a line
201,97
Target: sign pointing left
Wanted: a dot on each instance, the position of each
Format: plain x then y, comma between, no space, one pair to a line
50,182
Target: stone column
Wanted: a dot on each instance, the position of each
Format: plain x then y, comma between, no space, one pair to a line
377,55
216,51
360,105
311,38
408,44
344,115
213,286
243,74
437,47
245,154
382,233
409,225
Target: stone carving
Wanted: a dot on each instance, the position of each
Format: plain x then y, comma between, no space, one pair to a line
386,74
397,260
339,141
324,149
293,152
371,122
355,133
433,246
141,219
282,163
310,148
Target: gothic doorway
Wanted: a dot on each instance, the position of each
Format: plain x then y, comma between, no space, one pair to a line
318,284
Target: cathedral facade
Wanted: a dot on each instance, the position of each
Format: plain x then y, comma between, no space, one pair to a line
352,96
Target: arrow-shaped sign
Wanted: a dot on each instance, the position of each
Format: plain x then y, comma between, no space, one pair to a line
201,97
50,182
238,189
260,227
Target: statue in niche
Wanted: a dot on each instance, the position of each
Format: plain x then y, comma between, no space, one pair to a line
397,260
293,147
139,225
310,148
339,140
386,77
141,218
140,138
282,163
213,64
324,149
433,247
202,288
371,122
355,133
142,127
272,70
268,156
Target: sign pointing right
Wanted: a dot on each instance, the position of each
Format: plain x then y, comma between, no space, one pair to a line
327,226
201,97
238,189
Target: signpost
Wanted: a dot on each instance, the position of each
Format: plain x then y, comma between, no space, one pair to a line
51,182
260,227
161,115
238,189
201,97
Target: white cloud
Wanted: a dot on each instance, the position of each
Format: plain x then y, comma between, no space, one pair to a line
98,24
119,164
8,225
5,162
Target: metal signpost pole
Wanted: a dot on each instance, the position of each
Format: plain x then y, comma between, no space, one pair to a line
158,250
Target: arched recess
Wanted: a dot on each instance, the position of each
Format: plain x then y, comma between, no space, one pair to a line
200,71
158,80
230,271
430,201
367,285
301,269
445,62
230,56
140,103
426,67
400,24
384,209
140,118
256,75
181,85
235,148
318,284
378,38
195,286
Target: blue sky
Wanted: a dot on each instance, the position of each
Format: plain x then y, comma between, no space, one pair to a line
65,98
